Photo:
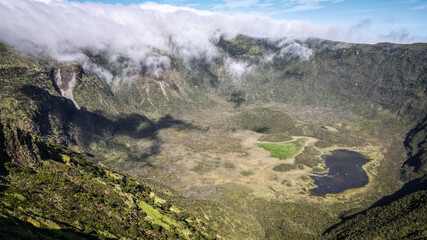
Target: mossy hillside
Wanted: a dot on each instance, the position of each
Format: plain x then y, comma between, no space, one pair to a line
246,48
255,218
57,188
288,220
16,73
263,120
370,77
30,97
8,59
284,150
31,101
90,87
14,228
378,125
105,126
232,218
399,216
133,90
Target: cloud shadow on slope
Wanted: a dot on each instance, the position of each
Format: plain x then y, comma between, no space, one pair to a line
81,127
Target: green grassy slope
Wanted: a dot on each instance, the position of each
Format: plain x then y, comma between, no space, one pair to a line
48,190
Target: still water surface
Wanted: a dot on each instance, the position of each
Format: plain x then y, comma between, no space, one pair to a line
344,172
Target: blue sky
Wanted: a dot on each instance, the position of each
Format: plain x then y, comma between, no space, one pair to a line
382,16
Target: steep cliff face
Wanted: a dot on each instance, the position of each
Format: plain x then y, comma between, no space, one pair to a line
415,142
65,80
18,148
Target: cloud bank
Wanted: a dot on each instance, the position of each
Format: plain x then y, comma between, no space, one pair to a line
64,29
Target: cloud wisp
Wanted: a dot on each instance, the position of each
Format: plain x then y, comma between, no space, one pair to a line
420,7
304,5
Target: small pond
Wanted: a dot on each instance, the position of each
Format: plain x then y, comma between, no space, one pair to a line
344,172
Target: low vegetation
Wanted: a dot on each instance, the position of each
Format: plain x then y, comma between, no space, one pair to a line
276,137
310,157
284,167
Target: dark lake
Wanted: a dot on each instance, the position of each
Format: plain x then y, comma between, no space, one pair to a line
344,172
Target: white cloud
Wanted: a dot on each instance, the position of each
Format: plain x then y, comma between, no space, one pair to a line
157,65
167,8
63,29
295,49
290,5
237,69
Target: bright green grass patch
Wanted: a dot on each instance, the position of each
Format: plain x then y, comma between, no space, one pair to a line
284,150
155,216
